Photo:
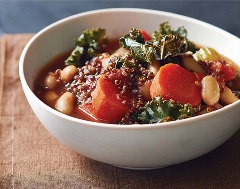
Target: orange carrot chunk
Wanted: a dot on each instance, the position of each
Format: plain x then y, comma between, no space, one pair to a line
174,82
85,112
105,104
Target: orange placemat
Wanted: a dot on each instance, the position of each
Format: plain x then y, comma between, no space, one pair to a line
31,158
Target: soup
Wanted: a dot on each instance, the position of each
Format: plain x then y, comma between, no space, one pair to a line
138,78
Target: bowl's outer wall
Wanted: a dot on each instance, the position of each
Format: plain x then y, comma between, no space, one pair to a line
142,148
130,147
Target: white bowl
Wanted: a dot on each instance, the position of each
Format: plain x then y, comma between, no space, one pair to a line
131,146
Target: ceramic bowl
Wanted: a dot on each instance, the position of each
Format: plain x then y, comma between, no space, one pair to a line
130,146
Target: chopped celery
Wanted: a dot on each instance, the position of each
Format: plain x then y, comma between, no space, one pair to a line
206,54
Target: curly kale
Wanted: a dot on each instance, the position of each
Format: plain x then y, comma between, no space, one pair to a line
88,45
126,61
152,51
165,45
165,29
135,35
159,110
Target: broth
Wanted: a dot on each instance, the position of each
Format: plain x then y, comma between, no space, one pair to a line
127,82
58,62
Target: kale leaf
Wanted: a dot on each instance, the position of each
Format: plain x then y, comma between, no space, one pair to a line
165,29
166,45
135,35
87,45
170,46
126,61
142,52
159,110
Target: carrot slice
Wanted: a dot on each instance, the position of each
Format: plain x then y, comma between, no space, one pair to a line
105,104
174,82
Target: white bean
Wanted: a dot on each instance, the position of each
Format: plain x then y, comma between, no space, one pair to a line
154,67
227,96
145,88
51,81
68,73
50,97
65,103
192,65
210,90
121,51
105,59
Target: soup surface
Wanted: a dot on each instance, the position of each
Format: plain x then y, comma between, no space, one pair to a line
139,78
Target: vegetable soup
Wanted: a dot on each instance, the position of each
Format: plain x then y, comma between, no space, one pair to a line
139,78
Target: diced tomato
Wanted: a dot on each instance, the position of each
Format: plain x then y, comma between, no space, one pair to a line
229,72
222,67
145,35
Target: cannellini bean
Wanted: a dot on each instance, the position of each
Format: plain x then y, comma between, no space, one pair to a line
121,51
68,73
210,90
145,88
192,65
105,58
51,81
154,67
50,97
65,103
227,96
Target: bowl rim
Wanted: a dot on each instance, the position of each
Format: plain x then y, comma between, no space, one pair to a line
171,124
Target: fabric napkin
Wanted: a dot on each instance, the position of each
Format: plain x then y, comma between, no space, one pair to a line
31,158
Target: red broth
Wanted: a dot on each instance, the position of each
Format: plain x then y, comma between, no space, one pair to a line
58,63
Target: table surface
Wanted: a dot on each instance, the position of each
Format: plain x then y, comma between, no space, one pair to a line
31,158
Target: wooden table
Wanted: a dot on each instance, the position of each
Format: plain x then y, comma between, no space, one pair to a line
31,158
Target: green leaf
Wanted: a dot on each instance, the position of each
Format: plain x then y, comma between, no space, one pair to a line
92,38
173,45
135,35
88,45
142,52
126,61
75,57
165,29
159,110
170,45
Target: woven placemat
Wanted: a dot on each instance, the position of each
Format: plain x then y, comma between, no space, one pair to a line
31,158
